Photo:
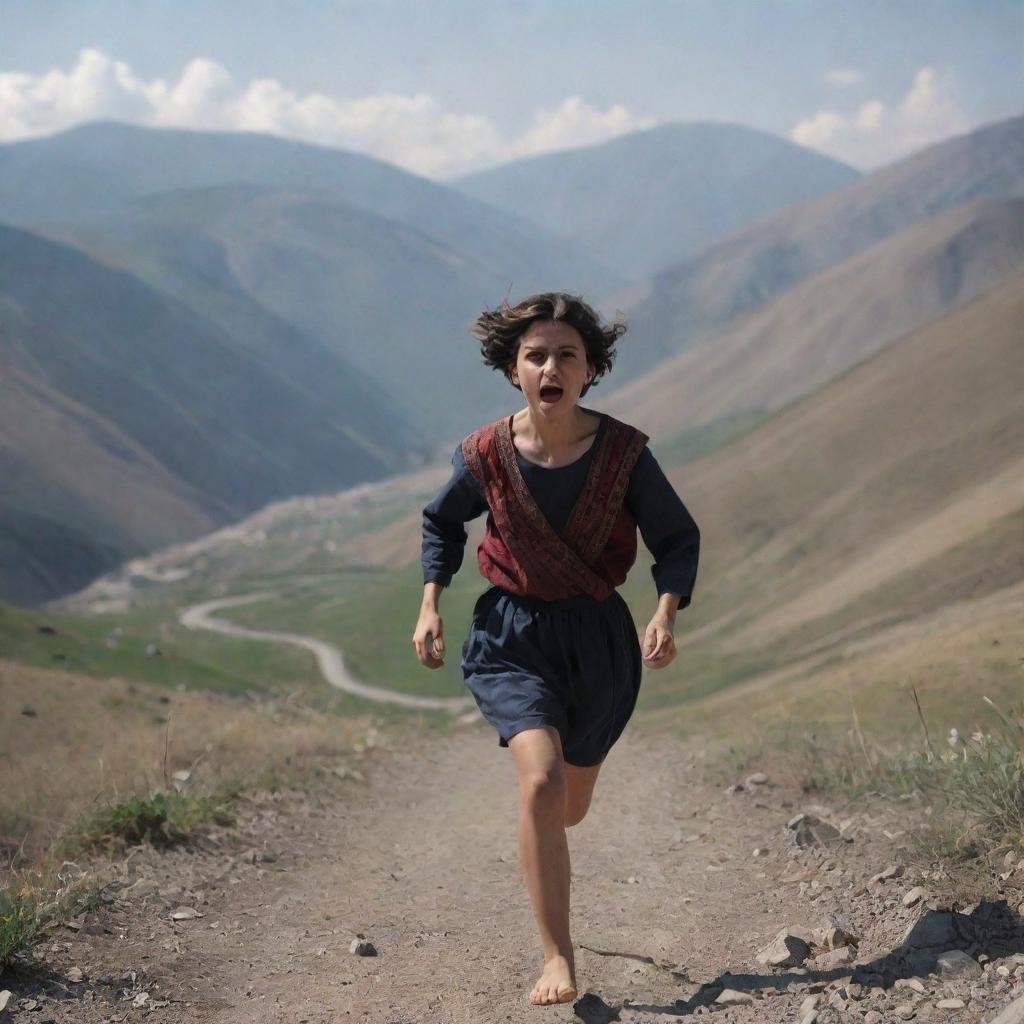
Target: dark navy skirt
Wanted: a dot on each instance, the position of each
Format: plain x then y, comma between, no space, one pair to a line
574,664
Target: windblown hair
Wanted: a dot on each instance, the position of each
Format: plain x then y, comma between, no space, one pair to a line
500,330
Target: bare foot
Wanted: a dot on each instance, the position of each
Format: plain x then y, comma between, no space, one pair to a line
556,985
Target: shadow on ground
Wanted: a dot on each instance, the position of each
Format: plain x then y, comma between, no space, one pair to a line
991,928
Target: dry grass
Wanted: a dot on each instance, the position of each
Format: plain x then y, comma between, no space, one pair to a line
91,743
90,764
969,784
955,655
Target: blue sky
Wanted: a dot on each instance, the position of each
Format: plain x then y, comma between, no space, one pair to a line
445,87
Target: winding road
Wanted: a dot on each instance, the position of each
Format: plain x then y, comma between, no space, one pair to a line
329,658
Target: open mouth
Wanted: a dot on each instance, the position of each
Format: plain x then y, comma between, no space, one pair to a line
550,394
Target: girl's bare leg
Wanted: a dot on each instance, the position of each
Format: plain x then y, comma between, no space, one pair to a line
579,789
547,802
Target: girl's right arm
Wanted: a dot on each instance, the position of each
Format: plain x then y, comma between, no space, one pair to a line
428,638
444,542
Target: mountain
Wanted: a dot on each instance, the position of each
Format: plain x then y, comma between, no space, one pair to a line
890,495
734,277
391,301
652,198
93,170
232,343
130,420
828,323
202,323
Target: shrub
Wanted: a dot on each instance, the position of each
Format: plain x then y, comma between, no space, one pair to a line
163,820
19,924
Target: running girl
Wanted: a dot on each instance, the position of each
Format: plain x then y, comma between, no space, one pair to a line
553,659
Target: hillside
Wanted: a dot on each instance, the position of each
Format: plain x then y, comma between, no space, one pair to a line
827,323
652,198
869,523
733,277
224,249
81,495
129,421
381,295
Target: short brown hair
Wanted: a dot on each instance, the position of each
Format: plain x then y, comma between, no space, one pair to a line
500,330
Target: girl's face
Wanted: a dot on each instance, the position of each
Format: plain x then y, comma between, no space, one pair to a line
551,367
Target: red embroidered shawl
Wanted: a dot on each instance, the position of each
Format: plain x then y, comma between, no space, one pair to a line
522,553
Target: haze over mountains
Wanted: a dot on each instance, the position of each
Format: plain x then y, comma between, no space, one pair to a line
829,322
195,337
653,198
381,296
733,277
99,169
346,246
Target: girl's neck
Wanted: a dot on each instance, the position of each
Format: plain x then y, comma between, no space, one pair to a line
552,437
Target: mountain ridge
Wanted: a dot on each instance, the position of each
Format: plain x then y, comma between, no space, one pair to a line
831,321
655,196
733,277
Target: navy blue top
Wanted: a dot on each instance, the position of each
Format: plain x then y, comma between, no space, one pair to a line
667,528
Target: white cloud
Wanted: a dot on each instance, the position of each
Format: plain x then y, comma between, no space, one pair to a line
415,132
844,76
870,117
575,123
819,129
876,134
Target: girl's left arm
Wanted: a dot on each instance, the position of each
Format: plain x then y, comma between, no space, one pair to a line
673,538
659,645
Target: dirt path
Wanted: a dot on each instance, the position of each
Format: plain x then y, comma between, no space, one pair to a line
329,658
419,857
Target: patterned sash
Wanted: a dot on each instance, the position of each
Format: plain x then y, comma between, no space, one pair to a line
521,552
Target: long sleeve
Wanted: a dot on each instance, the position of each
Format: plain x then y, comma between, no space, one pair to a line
444,535
667,528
